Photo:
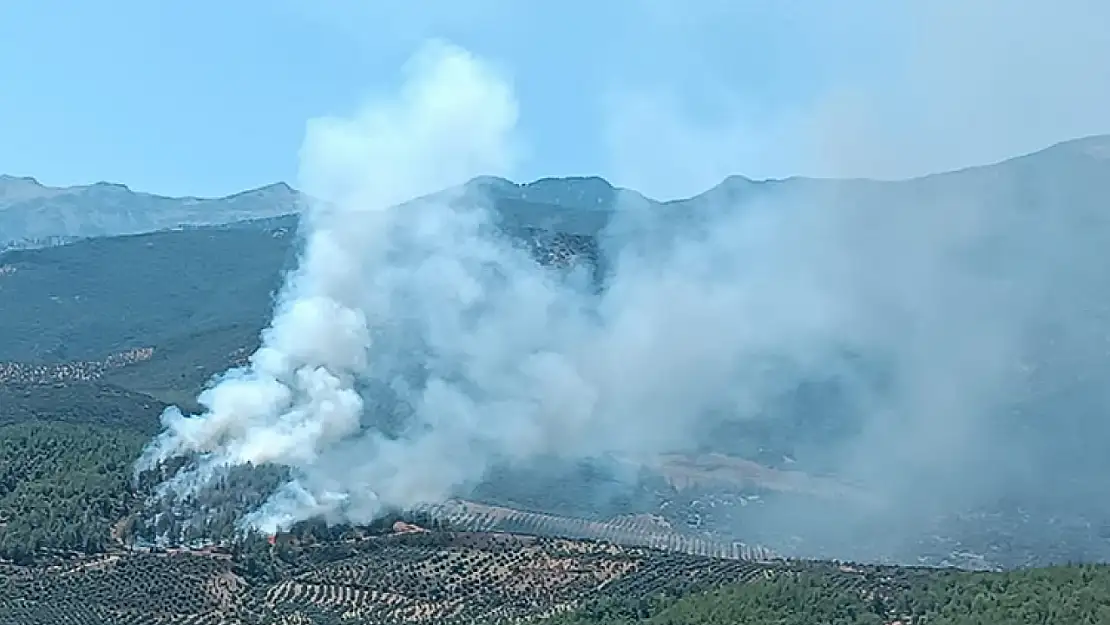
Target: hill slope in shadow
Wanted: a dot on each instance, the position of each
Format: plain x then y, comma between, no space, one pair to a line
91,298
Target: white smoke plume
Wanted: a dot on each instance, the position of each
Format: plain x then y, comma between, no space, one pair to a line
296,401
422,311
496,358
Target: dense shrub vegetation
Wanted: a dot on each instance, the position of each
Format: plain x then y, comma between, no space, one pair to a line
93,298
82,404
63,486
1057,595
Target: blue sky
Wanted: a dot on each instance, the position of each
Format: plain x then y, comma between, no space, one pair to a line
209,97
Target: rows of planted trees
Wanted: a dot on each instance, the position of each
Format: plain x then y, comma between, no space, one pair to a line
138,588
457,579
1066,595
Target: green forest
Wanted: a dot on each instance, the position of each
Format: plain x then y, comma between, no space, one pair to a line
1051,596
63,486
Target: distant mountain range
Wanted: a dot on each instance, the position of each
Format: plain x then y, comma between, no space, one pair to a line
212,263
35,215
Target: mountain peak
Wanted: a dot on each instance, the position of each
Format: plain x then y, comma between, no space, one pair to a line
6,179
106,186
570,191
491,183
731,189
19,188
596,182
275,188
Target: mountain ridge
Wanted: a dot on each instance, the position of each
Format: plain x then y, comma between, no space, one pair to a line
61,287
37,215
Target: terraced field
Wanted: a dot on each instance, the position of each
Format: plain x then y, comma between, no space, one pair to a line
420,577
636,531
132,589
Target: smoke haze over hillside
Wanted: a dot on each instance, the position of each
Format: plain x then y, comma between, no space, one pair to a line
689,93
426,310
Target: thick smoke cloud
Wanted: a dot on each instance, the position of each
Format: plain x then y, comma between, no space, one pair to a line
297,404
973,296
425,309
416,346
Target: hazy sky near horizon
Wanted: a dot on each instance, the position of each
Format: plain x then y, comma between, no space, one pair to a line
666,96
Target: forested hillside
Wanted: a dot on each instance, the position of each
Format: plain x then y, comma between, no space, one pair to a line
92,298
